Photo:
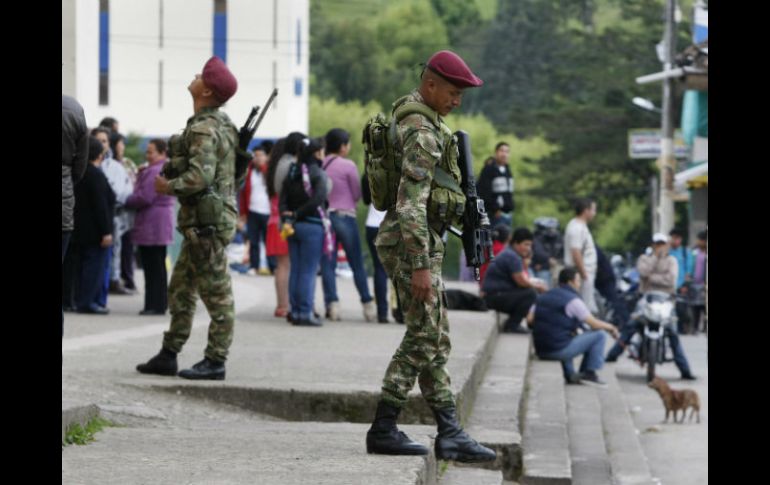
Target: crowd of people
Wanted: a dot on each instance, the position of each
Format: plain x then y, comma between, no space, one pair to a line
117,220
562,318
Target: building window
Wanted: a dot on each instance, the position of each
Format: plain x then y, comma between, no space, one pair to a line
220,29
297,86
104,52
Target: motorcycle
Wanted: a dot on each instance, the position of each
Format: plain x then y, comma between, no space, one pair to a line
655,315
627,288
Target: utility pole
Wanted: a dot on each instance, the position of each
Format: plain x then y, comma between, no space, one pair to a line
667,163
654,198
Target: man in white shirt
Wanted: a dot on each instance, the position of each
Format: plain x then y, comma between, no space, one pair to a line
254,209
580,250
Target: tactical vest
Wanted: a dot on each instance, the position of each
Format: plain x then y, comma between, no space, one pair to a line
384,153
207,208
553,328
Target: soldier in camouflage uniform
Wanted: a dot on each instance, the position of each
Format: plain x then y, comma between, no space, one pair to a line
409,244
201,173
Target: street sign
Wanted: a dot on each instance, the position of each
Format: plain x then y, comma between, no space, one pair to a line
701,30
645,144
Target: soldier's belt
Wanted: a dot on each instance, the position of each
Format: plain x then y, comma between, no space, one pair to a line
194,233
195,198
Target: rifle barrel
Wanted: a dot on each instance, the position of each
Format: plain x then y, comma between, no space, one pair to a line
252,125
267,105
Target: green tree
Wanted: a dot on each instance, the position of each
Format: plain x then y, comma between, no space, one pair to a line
346,60
459,17
374,57
410,32
559,75
619,226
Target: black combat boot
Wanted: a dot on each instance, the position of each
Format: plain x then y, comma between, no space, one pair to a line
385,438
452,443
163,364
205,369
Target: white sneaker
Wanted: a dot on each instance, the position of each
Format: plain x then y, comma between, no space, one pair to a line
370,311
333,311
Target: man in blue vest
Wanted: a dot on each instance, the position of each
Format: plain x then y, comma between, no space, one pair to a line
556,318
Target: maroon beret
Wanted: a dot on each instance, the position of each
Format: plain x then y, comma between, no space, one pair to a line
451,67
219,79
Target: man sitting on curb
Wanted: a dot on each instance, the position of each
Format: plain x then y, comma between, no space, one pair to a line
555,320
506,287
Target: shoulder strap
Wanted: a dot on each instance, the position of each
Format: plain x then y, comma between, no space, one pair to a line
330,161
444,179
306,180
405,109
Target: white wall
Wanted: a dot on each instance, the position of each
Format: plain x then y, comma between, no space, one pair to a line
135,53
68,47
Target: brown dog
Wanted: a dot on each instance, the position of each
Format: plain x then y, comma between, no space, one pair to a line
676,400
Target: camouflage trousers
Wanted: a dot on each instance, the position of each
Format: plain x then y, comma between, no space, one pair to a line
424,350
202,269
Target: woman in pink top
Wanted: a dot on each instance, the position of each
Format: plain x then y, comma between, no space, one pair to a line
153,229
344,194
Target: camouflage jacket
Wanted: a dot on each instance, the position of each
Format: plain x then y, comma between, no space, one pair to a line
423,144
203,162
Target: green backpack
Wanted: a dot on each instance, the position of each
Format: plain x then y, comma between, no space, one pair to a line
383,156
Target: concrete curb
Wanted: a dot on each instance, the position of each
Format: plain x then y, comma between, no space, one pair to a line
590,463
546,458
326,406
72,414
627,460
495,422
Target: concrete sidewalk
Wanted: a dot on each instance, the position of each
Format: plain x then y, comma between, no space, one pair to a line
238,430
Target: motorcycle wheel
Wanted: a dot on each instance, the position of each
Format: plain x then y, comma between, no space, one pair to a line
652,359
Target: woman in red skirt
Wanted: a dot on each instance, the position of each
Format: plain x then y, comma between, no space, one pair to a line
274,245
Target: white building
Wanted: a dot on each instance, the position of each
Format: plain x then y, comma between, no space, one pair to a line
133,60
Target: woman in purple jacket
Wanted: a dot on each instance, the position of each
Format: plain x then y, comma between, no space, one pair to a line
153,229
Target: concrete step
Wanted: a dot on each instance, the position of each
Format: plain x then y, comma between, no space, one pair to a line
325,384
494,421
333,373
627,460
268,453
545,442
470,476
588,452
311,374
76,413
